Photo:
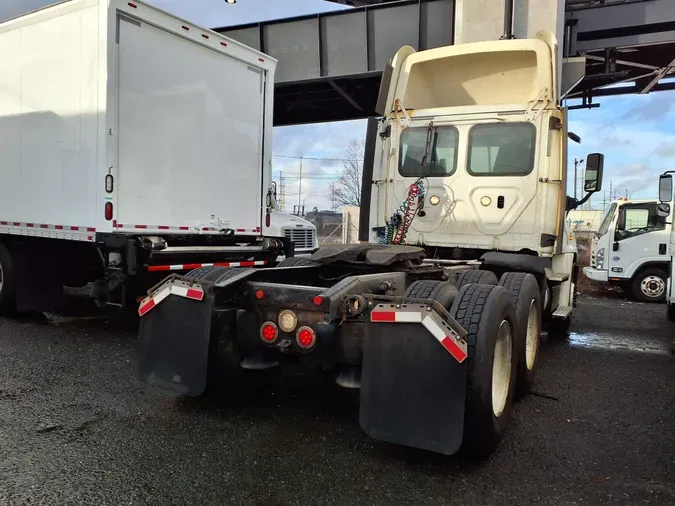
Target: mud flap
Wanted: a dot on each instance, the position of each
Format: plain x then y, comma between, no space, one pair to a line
173,344
412,389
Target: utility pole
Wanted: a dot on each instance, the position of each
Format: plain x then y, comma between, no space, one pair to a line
282,191
300,186
333,206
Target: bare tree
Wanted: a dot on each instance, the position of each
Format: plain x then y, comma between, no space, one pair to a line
347,189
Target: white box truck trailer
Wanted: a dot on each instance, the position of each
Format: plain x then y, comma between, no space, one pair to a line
131,143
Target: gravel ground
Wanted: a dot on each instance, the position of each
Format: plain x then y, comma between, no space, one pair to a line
77,428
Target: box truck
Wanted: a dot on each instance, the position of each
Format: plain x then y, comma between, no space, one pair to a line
630,249
132,143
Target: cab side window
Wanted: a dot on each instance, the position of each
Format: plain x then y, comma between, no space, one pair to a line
637,219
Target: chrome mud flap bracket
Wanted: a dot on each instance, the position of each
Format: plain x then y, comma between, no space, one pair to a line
173,336
413,378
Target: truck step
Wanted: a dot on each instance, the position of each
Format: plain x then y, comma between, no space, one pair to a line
562,312
559,277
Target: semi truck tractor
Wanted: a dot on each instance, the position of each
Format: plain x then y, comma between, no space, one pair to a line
630,249
132,144
438,318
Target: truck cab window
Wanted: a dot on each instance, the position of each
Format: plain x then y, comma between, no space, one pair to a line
442,156
637,219
504,149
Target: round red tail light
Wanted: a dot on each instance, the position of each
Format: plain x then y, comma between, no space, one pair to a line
269,332
305,337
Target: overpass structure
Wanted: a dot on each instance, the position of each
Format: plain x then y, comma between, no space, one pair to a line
330,64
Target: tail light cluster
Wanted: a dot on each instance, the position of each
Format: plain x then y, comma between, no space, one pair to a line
305,337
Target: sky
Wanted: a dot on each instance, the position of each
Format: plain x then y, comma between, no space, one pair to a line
636,133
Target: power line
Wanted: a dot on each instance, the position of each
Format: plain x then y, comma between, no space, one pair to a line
319,158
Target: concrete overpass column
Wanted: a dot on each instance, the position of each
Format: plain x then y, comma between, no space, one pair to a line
481,20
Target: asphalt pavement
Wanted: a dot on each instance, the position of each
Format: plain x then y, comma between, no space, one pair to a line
76,427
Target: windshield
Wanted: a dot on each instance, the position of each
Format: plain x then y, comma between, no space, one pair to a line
609,215
441,159
503,149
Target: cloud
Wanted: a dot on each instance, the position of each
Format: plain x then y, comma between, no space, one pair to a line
651,109
665,149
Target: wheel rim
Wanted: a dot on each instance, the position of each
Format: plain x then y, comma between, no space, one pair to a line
653,286
532,337
501,369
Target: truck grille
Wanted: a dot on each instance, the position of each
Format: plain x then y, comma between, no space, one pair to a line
302,237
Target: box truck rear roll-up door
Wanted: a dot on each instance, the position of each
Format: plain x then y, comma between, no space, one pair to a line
190,149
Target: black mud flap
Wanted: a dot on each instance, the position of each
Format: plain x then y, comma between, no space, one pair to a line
412,389
173,344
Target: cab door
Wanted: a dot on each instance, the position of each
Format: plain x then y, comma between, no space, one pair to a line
640,236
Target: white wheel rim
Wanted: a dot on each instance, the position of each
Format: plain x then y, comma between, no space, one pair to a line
653,286
532,336
501,368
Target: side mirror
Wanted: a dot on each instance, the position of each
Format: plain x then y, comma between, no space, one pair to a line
274,188
665,188
593,180
663,210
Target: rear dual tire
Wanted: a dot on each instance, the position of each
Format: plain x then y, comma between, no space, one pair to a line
7,283
486,313
525,297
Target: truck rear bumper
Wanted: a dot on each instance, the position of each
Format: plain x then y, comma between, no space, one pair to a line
595,274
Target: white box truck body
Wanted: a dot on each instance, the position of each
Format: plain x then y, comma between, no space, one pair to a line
120,122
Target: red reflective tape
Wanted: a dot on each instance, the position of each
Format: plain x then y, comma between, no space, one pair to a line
90,238
247,264
241,230
222,264
16,224
74,228
114,223
183,228
90,229
30,225
194,294
58,227
450,345
164,227
119,225
383,316
146,307
44,226
155,268
140,226
257,229
3,223
189,267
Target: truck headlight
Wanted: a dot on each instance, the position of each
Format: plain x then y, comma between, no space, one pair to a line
600,258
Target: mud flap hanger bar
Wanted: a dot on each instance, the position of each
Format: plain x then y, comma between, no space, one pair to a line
170,286
431,315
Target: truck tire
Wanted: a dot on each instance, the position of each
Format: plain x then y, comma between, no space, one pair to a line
440,291
486,313
7,286
214,273
296,262
526,300
649,285
478,277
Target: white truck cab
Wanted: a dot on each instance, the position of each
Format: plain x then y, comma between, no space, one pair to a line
471,161
666,209
630,249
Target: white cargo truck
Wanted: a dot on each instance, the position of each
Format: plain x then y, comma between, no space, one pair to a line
666,210
630,249
132,143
